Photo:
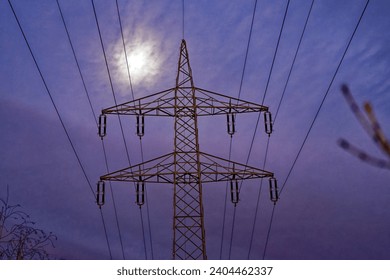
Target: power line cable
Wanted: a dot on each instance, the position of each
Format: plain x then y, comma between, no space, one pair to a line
262,102
77,62
116,104
140,141
266,88
293,63
276,51
94,117
269,231
231,139
324,98
258,203
266,150
124,49
224,208
60,118
232,231
52,100
110,80
105,232
316,115
247,49
114,204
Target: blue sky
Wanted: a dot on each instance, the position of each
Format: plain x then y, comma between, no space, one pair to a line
333,205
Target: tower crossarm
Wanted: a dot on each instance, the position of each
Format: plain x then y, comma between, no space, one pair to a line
216,169
159,104
161,170
158,170
208,103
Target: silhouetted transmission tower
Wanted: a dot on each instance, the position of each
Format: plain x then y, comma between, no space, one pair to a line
187,167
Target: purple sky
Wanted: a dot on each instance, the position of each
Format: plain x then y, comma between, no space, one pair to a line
333,205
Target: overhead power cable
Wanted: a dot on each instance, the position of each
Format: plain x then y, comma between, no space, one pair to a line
140,141
95,119
119,118
275,53
269,231
266,153
268,80
262,102
324,97
293,63
110,80
231,139
60,118
247,50
224,208
316,116
124,49
257,203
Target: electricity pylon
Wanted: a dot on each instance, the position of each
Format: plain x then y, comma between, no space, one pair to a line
187,168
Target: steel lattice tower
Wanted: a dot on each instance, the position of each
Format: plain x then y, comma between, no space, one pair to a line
187,167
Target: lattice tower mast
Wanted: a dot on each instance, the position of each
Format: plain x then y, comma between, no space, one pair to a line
187,167
188,222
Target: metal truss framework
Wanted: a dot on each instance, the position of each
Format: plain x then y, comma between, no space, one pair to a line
187,167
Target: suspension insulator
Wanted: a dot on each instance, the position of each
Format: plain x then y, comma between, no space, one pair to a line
102,125
140,125
140,193
268,123
234,193
100,194
273,190
231,123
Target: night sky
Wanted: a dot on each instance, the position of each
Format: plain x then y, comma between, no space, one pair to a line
333,205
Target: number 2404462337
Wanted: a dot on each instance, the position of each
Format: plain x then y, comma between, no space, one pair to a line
241,270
